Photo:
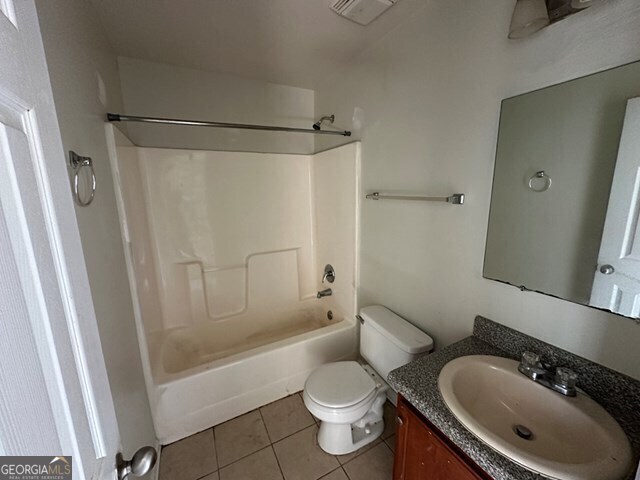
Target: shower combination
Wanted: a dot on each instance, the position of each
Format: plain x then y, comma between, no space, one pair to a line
239,323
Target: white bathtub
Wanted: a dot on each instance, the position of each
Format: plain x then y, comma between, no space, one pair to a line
203,378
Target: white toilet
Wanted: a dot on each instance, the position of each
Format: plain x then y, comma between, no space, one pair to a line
348,397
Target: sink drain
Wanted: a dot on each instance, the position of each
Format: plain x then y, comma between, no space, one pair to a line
523,432
330,315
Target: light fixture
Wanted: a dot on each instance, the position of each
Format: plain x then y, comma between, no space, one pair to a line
528,17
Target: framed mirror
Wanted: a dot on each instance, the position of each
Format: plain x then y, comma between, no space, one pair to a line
566,192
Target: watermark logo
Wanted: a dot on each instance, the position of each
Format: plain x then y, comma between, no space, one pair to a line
35,468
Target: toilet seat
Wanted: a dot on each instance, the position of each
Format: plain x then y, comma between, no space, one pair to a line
347,397
342,392
340,385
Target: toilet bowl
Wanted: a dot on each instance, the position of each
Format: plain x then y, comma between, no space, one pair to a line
348,397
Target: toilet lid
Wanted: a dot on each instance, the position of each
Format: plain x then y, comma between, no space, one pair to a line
339,384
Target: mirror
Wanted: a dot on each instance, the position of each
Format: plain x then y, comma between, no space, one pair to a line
566,192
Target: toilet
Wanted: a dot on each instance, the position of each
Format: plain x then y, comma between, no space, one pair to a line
348,397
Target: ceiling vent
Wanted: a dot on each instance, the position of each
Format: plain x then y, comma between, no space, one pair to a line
361,11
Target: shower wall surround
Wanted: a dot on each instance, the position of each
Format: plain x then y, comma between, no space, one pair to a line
232,231
218,235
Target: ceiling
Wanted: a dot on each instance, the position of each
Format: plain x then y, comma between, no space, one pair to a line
291,42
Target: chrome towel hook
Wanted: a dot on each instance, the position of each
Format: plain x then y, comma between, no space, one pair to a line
545,186
77,162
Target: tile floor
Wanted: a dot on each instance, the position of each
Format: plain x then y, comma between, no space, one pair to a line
275,442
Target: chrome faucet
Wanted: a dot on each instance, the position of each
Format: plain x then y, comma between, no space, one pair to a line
329,274
563,381
324,293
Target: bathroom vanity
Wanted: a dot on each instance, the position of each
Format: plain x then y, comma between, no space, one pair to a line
422,451
432,443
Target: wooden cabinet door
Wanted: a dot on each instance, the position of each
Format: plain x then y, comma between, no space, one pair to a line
421,455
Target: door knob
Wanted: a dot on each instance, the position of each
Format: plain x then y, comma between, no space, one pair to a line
141,463
607,269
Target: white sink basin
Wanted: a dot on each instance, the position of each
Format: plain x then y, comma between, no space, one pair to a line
572,438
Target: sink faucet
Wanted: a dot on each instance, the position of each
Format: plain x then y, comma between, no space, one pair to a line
324,293
563,381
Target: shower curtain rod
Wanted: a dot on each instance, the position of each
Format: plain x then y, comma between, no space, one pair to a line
116,117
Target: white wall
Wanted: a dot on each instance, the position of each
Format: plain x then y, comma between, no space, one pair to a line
425,101
158,90
84,76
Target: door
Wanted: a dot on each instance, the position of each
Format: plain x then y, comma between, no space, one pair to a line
616,283
421,455
54,396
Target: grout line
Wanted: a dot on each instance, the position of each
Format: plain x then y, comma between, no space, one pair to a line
215,449
241,415
242,458
264,424
210,473
214,452
297,431
162,446
277,460
283,438
271,443
220,467
362,450
390,449
346,474
274,452
329,473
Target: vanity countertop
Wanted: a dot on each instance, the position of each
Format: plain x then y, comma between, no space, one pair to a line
418,383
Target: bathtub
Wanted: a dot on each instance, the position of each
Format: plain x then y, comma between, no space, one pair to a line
214,371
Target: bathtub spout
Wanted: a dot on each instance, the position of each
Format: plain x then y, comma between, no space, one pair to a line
324,293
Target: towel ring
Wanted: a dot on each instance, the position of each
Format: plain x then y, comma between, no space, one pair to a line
547,181
77,162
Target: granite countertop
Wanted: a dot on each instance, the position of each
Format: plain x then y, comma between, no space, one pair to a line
418,383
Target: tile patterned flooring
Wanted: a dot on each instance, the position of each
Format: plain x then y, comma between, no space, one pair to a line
275,442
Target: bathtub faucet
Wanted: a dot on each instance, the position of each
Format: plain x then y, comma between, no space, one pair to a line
324,293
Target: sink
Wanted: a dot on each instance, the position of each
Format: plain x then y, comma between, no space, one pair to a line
566,438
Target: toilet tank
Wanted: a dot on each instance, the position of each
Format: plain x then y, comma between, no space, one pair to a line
388,341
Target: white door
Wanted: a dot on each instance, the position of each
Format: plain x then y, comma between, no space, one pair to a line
616,284
54,392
